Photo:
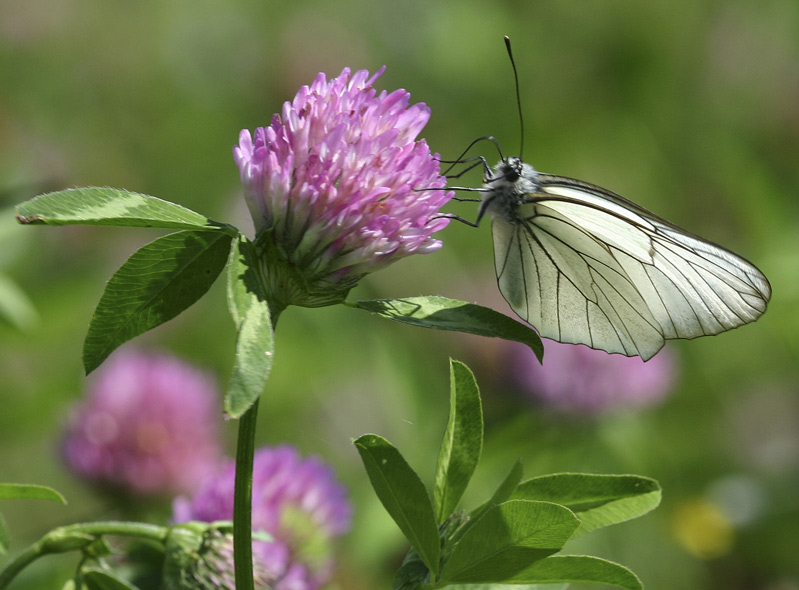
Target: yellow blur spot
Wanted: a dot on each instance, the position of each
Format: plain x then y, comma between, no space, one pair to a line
702,529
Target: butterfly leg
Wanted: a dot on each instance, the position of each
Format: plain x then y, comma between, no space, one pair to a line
456,218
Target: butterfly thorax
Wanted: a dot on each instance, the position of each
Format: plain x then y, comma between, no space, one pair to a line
510,185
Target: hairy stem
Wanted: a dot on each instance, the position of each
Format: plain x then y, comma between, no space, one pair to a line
76,537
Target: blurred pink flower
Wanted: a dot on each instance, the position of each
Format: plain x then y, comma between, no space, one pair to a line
579,379
297,501
149,424
331,183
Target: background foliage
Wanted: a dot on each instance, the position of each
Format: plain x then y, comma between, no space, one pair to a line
689,108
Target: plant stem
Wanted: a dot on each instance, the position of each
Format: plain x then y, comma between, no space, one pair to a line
77,536
21,562
242,493
242,500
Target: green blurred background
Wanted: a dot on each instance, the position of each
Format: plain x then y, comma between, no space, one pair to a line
690,108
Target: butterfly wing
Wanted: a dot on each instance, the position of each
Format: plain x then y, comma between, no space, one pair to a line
584,265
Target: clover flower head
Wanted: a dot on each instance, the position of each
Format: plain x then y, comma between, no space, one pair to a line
199,556
148,425
577,379
333,185
294,499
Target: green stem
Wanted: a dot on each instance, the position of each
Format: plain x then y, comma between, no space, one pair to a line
75,537
242,493
242,500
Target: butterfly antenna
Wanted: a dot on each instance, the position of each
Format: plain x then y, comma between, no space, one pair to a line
518,96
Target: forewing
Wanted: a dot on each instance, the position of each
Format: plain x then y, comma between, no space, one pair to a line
693,287
584,265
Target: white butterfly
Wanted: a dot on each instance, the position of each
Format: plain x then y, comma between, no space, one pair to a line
586,266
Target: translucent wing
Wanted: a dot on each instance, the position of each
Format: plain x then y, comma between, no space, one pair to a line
584,265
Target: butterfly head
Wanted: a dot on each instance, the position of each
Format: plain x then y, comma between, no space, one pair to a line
512,171
509,170
510,183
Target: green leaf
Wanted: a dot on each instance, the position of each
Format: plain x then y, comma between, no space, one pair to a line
97,579
403,495
463,441
413,574
18,491
503,492
441,313
255,339
243,284
109,206
597,500
158,282
577,568
507,539
254,350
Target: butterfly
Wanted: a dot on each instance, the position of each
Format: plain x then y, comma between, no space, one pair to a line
584,265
